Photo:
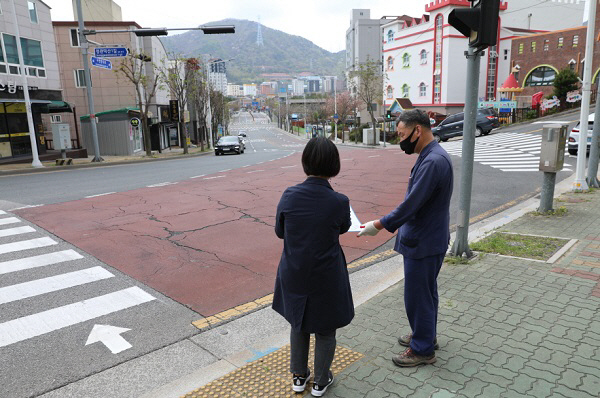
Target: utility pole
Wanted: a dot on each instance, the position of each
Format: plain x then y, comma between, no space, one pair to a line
335,119
580,183
592,172
22,71
88,83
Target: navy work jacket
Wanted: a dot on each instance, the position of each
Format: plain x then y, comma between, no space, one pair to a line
424,216
312,289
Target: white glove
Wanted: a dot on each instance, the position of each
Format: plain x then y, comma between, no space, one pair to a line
368,229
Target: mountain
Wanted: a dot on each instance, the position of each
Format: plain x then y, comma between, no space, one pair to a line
281,52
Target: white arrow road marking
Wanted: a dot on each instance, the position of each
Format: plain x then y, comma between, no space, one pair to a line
9,220
15,231
110,336
52,284
21,264
26,244
41,323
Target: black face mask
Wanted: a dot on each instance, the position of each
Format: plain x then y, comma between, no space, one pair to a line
407,146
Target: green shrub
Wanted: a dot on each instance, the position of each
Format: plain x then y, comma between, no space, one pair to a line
531,114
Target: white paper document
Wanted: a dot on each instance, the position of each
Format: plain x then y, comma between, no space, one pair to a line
355,227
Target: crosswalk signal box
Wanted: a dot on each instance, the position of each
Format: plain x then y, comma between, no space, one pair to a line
554,140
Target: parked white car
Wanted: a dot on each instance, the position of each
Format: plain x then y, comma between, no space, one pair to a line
573,141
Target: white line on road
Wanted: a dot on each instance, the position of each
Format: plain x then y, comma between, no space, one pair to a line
21,264
2,212
289,167
223,171
25,207
255,171
57,318
52,284
374,156
162,184
202,175
100,194
522,162
15,231
9,220
554,122
212,178
531,169
26,244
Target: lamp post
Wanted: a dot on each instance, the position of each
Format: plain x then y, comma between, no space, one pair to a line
335,120
144,32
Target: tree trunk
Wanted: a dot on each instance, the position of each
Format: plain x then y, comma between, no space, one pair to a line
374,123
184,137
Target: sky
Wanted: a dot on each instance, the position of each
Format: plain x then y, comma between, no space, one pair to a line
324,22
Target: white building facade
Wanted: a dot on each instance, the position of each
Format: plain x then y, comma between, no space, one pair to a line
234,90
217,75
250,90
424,58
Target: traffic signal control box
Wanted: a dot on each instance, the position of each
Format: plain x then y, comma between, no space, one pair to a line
479,23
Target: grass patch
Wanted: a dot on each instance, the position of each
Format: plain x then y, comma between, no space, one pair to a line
534,247
561,211
455,260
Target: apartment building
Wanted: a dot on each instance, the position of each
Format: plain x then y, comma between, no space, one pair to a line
41,68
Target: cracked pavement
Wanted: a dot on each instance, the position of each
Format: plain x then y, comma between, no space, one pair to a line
209,243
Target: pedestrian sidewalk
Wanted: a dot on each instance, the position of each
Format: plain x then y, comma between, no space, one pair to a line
508,327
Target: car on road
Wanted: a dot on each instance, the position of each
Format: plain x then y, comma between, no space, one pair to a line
452,126
229,144
573,141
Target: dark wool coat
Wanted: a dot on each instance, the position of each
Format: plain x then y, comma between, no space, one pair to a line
312,289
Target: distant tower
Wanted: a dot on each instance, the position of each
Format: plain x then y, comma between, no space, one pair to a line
259,38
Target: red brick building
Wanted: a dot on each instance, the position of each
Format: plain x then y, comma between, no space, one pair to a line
540,57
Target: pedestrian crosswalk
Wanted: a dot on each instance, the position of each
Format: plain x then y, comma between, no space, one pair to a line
25,250
511,152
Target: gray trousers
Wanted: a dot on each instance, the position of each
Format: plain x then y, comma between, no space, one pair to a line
324,352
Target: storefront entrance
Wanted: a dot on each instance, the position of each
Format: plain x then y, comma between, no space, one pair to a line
14,130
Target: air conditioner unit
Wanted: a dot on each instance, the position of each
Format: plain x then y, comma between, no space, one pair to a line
56,118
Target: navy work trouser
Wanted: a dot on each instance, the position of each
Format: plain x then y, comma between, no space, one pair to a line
421,300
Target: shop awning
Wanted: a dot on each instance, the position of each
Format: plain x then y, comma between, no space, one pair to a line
59,106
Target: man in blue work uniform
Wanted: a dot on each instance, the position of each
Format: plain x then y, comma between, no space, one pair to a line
423,220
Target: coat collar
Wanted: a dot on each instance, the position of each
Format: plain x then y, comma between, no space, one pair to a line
317,181
428,149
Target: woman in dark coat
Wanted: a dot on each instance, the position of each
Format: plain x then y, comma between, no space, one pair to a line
312,289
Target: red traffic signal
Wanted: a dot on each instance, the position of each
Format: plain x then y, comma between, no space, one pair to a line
479,23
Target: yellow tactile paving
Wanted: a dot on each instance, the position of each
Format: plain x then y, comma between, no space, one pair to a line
268,376
268,299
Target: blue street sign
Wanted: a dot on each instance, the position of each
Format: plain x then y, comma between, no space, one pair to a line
335,116
101,63
110,52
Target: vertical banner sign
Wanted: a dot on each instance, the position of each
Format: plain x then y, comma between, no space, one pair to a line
174,110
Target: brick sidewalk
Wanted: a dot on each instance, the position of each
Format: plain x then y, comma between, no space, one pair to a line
507,327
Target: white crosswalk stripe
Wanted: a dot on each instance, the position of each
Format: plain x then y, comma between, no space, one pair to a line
509,152
24,259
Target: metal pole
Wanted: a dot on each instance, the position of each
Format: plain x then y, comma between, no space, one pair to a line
461,244
335,107
592,173
34,151
580,183
547,194
88,83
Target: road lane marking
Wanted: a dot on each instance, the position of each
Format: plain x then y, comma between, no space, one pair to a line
511,164
30,326
374,156
289,167
255,171
26,244
343,160
223,171
2,212
21,264
25,207
15,231
202,175
100,194
52,284
162,184
9,220
212,178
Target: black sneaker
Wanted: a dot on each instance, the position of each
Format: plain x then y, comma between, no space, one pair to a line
405,341
318,391
300,382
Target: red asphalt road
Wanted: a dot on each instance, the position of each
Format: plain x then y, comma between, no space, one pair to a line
209,243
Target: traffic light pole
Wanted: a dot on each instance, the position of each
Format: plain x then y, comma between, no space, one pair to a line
461,243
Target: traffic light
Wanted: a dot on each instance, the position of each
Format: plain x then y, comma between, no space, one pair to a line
388,115
479,23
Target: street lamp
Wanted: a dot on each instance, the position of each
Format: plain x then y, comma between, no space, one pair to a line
84,44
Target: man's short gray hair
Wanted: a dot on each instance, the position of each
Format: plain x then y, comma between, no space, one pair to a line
413,117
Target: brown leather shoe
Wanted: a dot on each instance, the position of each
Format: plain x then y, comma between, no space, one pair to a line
405,341
408,359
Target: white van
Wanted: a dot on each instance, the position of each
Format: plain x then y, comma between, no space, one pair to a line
573,142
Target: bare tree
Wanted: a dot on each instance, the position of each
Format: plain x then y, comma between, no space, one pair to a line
132,68
367,83
346,106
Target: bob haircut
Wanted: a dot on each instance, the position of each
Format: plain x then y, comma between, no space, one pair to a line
321,158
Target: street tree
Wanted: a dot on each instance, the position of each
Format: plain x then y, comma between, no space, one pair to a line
199,98
218,110
178,75
366,82
346,106
566,80
132,68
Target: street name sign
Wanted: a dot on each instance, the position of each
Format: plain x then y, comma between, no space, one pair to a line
110,52
498,104
101,63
